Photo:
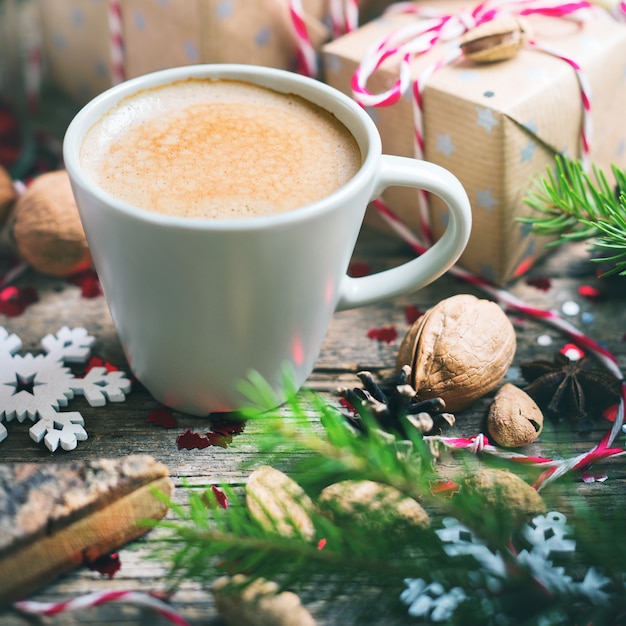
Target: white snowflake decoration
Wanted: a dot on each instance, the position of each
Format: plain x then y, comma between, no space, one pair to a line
36,387
547,536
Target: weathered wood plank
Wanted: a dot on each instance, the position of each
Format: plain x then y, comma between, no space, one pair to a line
120,429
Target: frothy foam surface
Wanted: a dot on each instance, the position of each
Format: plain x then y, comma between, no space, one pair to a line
219,149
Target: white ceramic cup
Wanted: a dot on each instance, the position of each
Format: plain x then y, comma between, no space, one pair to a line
199,303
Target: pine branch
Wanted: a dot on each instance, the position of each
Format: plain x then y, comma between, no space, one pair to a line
572,205
470,574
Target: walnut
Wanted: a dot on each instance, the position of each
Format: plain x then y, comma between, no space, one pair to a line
497,40
7,194
46,226
459,350
514,418
244,603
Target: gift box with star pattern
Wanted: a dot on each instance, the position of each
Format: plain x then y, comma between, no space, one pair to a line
82,49
496,126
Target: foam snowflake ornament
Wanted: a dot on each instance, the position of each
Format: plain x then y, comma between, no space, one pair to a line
35,387
547,536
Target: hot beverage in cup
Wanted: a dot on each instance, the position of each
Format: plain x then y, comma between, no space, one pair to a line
219,149
222,204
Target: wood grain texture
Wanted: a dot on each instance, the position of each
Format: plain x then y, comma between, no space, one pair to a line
121,429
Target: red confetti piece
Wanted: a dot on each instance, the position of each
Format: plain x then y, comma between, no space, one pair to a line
15,300
572,352
8,122
321,544
107,565
446,488
88,282
541,282
219,439
412,313
220,496
348,406
610,414
96,361
358,269
190,440
162,417
524,266
592,293
384,334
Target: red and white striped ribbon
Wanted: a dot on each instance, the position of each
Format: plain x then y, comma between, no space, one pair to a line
91,600
116,41
307,56
552,469
344,16
432,27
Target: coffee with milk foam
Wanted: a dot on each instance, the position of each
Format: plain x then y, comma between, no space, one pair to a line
204,148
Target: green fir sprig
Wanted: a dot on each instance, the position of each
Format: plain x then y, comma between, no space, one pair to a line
462,569
573,205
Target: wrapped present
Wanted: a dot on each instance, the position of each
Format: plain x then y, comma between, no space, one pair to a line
497,126
90,45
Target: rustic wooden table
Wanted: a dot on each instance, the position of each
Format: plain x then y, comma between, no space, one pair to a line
121,428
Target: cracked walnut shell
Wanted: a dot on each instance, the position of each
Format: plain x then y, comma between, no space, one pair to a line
459,350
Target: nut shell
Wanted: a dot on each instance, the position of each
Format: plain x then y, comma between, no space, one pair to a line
258,603
46,227
513,500
498,40
278,503
372,505
7,194
459,350
514,418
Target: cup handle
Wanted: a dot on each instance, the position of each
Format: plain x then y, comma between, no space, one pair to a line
415,274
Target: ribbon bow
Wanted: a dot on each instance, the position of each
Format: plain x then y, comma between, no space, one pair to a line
432,27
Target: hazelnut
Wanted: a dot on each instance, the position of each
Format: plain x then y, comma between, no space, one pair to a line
46,227
514,418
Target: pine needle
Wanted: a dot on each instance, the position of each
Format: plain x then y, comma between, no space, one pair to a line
572,205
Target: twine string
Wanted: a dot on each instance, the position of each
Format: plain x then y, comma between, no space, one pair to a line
344,16
431,28
116,41
95,599
555,468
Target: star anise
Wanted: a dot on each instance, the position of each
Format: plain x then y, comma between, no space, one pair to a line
571,389
396,407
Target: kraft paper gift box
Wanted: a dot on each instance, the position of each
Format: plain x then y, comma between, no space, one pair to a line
79,46
496,126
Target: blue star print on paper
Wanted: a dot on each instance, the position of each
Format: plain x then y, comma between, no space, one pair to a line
224,9
486,118
263,37
445,145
